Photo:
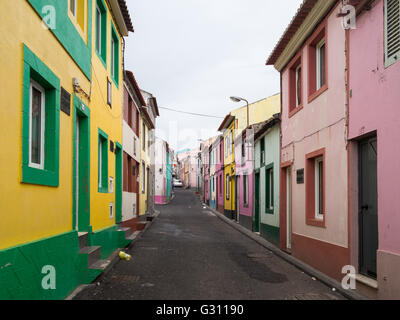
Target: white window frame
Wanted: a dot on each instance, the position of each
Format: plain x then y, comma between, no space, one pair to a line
75,5
109,92
317,186
296,88
111,210
111,184
98,31
100,163
34,84
319,83
271,186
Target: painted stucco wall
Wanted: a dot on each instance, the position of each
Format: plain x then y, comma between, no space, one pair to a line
320,124
374,106
160,171
107,119
259,111
272,156
245,166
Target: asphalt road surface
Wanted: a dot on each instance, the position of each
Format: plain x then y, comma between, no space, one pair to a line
188,253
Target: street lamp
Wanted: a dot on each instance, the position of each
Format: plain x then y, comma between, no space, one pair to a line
238,99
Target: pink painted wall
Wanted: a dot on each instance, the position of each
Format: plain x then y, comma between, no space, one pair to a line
245,166
320,124
375,105
219,169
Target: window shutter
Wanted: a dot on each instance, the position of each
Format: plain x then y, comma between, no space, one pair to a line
392,32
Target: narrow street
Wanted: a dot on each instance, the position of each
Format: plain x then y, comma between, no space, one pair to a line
189,253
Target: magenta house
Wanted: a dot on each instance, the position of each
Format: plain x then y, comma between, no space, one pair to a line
311,59
219,172
244,161
374,147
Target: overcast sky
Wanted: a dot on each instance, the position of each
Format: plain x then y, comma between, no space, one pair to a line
192,55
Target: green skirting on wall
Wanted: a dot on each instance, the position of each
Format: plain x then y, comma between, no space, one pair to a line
270,233
21,268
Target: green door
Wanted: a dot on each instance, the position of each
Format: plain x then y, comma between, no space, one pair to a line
81,167
256,227
118,183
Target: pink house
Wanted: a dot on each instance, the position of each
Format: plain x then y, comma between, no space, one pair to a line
244,161
314,180
219,172
374,148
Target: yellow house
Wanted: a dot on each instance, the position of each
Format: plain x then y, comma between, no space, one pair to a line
55,116
228,128
259,111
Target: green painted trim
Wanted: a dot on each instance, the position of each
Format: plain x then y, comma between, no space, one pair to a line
35,69
103,138
118,182
104,14
110,239
267,189
82,111
67,33
270,233
114,35
21,268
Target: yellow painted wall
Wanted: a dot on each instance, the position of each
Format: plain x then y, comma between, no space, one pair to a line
229,163
258,112
107,119
144,157
31,212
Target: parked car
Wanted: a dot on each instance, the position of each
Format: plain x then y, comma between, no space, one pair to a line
178,183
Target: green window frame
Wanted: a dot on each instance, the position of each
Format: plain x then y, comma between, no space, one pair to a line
114,55
48,173
269,189
101,31
103,162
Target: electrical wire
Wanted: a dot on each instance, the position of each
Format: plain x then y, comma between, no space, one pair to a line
191,113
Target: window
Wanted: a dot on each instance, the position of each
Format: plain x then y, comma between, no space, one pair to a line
213,184
111,179
317,64
143,177
114,55
295,85
41,122
144,136
319,182
220,183
392,32
320,64
109,93
72,7
78,13
262,153
111,210
246,189
103,162
227,187
269,189
36,126
226,146
134,146
315,188
101,31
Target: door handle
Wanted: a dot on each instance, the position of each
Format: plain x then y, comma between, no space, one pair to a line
365,207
